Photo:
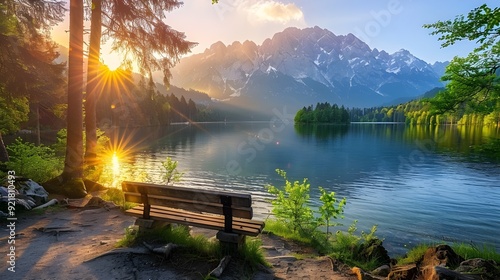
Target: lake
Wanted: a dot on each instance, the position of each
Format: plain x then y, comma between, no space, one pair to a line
417,184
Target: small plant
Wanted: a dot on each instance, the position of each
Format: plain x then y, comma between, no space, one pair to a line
348,247
38,163
290,205
330,209
171,174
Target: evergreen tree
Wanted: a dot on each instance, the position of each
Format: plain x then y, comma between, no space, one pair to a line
27,70
136,29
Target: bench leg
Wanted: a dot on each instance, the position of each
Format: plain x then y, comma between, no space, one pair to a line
148,224
230,241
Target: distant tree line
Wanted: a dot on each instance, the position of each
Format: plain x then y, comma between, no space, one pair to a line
421,112
323,113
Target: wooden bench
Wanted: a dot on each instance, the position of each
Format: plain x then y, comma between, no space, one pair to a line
229,213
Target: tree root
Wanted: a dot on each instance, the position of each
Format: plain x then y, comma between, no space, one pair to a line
217,272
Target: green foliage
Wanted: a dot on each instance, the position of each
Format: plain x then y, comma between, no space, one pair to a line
171,174
330,209
323,113
115,195
295,220
38,163
291,207
13,112
102,141
473,81
482,25
347,246
290,204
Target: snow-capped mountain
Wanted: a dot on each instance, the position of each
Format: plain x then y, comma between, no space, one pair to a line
299,67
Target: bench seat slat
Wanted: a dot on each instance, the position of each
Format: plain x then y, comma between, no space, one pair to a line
201,215
192,219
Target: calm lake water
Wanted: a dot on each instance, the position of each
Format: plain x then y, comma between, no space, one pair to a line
418,184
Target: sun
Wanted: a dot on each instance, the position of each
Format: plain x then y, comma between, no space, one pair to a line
112,60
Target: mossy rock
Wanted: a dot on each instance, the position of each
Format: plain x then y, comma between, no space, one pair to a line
75,188
72,188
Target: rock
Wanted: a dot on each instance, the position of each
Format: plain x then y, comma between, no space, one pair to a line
373,249
442,273
441,255
407,272
484,269
382,271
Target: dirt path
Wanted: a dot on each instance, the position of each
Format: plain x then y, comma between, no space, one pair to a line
59,244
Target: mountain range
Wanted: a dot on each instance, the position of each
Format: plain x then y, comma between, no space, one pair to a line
300,67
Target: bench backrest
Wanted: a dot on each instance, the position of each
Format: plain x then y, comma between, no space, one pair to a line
194,200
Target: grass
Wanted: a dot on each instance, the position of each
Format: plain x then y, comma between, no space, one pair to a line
341,246
471,251
465,250
198,247
414,254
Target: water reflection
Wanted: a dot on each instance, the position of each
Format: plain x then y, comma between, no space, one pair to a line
418,183
321,132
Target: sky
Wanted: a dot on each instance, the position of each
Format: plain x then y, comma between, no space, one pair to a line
388,25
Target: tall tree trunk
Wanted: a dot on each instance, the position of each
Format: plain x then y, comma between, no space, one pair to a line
4,155
73,164
38,140
93,88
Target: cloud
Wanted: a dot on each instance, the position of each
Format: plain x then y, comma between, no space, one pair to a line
272,11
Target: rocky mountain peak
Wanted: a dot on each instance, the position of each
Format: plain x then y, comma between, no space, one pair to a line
305,66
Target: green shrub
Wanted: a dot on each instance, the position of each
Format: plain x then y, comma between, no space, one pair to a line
38,163
290,204
330,209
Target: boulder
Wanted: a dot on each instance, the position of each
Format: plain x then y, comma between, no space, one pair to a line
442,273
383,270
441,255
483,269
373,250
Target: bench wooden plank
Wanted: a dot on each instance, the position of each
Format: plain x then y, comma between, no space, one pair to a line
246,223
224,211
203,196
186,220
194,206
